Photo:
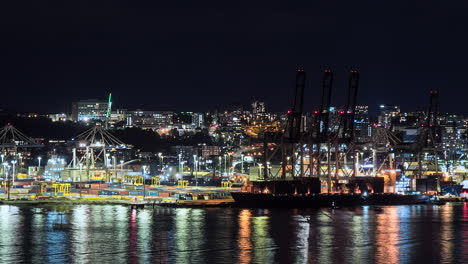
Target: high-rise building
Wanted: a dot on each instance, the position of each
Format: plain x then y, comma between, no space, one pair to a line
258,107
118,115
90,109
198,120
387,113
59,117
183,119
150,119
362,127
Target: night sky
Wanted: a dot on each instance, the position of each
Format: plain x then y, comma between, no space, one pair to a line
198,55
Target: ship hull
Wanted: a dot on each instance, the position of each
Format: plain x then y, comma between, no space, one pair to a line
263,200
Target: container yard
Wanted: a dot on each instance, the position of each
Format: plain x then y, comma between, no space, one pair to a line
34,192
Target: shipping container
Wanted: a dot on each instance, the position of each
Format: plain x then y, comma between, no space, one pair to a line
93,192
99,186
107,192
19,191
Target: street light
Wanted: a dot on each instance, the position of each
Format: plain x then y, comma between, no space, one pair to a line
121,164
5,172
242,163
180,163
195,169
7,167
144,173
160,161
107,159
225,163
219,164
195,165
13,172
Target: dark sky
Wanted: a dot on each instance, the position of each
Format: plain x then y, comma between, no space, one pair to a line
198,55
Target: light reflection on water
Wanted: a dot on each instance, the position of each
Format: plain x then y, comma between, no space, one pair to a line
116,234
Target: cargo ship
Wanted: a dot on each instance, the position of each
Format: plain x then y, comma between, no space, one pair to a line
305,193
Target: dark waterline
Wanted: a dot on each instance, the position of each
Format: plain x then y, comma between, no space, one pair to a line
117,234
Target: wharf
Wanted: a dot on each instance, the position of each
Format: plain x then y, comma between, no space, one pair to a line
200,203
163,196
138,204
452,199
66,201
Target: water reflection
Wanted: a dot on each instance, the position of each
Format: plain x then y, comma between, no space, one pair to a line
324,235
10,221
387,236
260,239
79,233
398,234
244,243
302,238
446,234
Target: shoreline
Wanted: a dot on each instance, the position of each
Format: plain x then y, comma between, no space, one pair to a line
110,201
67,202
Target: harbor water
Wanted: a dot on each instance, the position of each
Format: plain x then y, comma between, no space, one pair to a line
119,234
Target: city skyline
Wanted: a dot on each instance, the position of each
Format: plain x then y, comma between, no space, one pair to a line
373,109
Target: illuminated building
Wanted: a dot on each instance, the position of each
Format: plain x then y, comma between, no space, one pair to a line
117,116
387,112
454,141
362,127
197,120
150,119
91,109
54,166
186,152
258,107
58,117
183,119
